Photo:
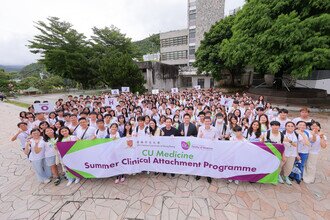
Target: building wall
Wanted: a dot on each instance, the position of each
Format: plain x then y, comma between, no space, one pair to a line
316,84
208,12
182,47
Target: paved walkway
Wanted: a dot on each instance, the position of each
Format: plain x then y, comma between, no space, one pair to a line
150,197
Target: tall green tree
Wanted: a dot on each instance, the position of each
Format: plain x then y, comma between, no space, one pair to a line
208,56
6,85
113,60
281,37
63,50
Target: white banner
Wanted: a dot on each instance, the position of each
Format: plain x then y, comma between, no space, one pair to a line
103,158
43,107
124,89
112,102
198,87
174,90
155,91
114,91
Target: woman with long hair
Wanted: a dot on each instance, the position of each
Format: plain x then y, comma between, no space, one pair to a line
253,134
66,136
50,137
318,142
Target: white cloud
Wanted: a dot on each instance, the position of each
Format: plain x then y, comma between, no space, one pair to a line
137,18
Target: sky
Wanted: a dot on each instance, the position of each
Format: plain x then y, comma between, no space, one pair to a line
136,18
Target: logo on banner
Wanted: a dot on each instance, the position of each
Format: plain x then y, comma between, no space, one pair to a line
43,107
124,89
112,102
185,145
114,91
175,90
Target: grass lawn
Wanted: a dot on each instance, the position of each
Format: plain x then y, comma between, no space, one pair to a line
20,104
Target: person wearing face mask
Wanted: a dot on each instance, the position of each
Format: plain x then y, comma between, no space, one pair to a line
273,113
282,118
176,121
220,125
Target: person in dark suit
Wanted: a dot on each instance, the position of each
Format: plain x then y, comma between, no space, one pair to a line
187,128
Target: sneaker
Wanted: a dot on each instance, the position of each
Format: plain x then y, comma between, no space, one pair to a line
148,172
236,182
46,181
77,180
280,180
164,174
209,180
69,182
57,181
122,179
117,181
172,174
230,181
197,177
156,174
287,180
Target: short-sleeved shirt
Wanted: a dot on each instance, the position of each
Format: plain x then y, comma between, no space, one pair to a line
211,133
316,146
33,156
88,135
22,138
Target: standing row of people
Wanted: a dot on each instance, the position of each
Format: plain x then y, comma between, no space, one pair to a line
203,114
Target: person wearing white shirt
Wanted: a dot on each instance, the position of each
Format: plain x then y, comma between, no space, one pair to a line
39,118
207,132
282,118
35,149
291,139
93,119
85,132
304,116
101,131
141,130
22,134
50,155
303,146
74,124
318,141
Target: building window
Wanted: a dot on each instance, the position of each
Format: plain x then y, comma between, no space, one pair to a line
175,55
174,41
200,82
192,33
192,14
211,82
187,81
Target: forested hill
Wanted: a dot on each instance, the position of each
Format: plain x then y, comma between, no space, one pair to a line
150,44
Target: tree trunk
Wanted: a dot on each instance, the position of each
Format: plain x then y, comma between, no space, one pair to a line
278,80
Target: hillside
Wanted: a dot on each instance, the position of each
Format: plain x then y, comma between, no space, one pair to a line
150,44
11,68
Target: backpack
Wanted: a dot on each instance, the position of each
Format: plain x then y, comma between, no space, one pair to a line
145,129
268,137
108,133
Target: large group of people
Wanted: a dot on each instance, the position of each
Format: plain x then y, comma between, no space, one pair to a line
205,114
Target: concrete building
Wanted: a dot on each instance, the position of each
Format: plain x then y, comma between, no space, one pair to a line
174,47
159,75
178,47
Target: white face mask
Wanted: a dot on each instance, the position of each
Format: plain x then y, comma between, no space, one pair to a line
275,113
